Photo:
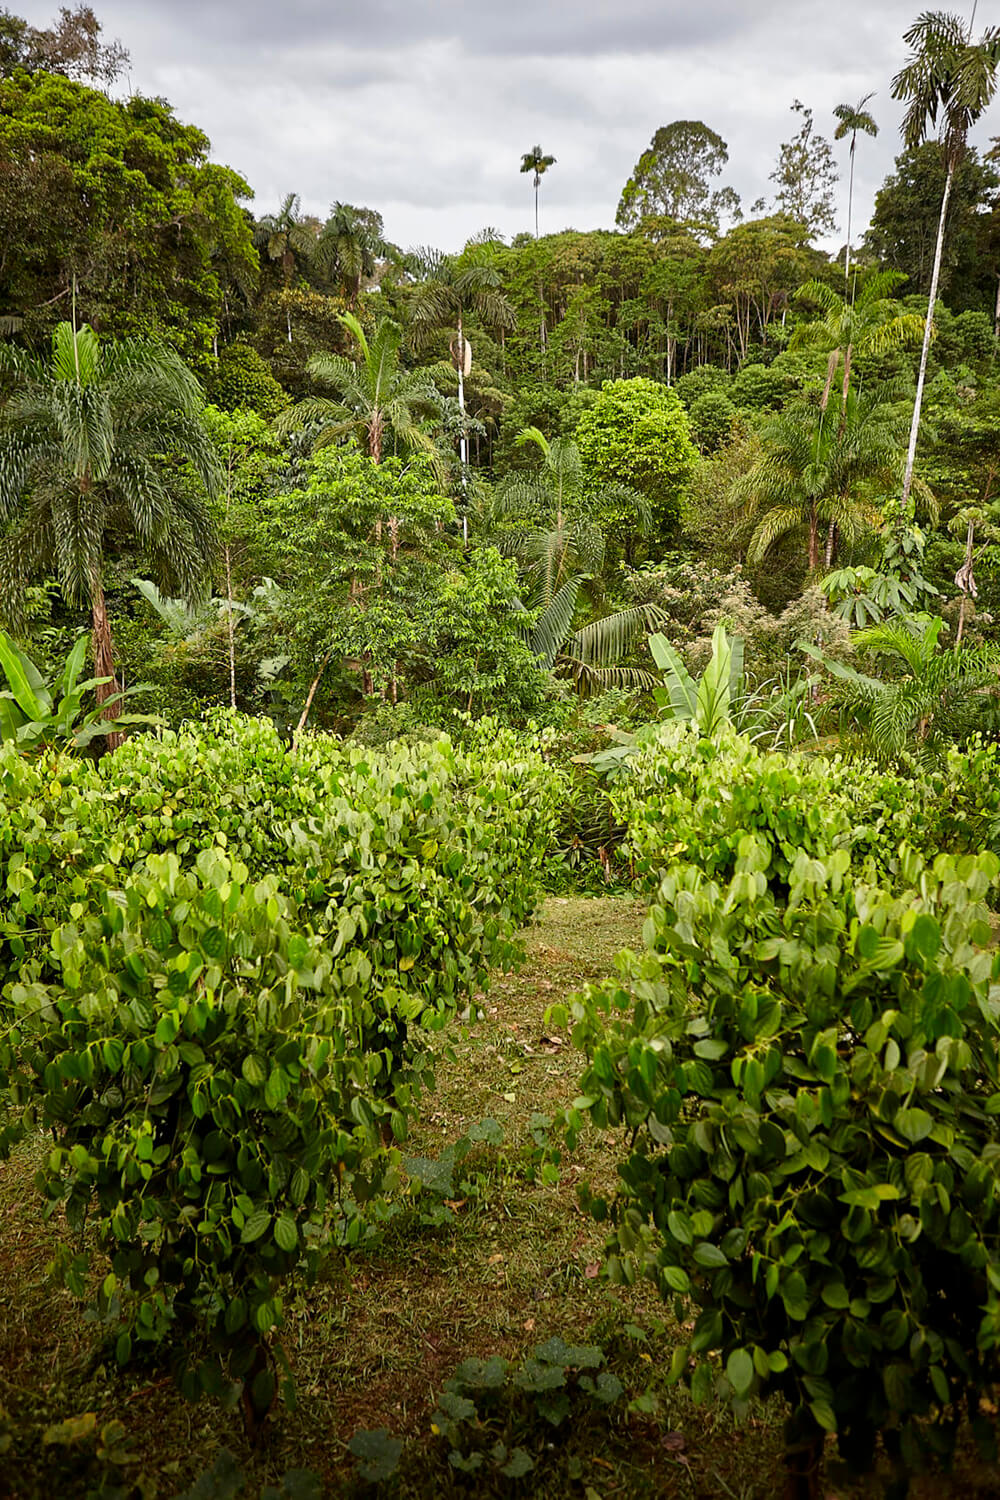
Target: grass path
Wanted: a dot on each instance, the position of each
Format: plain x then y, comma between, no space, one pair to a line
505,1264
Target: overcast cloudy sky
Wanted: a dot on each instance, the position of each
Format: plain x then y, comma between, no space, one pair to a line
422,108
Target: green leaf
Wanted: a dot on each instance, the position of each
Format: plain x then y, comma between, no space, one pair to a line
256,1225
679,1227
914,1124
286,1232
824,1415
740,1371
517,1465
24,680
709,1256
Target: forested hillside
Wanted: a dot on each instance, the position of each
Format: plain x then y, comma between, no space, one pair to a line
713,391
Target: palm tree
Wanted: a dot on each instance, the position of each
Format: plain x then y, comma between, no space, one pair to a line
348,248
83,439
558,535
373,396
928,699
851,118
947,83
561,550
535,161
810,465
286,238
451,289
870,323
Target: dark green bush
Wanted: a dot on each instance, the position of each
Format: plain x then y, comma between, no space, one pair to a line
810,1091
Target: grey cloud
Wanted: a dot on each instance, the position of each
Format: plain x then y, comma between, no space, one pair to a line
422,108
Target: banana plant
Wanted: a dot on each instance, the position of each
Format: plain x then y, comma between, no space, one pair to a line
709,701
34,712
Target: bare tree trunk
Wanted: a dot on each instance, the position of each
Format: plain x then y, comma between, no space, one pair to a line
911,451
463,441
231,631
965,580
813,537
104,659
309,699
850,206
231,628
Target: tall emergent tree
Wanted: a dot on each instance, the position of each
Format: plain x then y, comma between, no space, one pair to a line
871,323
947,83
350,243
84,439
450,290
672,179
850,119
536,161
286,238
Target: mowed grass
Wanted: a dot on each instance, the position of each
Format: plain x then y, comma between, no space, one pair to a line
503,1264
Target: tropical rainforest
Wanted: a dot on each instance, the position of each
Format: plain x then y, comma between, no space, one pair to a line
500,816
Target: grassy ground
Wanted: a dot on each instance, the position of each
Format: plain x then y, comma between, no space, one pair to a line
502,1265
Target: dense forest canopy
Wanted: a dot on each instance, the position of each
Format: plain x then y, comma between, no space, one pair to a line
681,355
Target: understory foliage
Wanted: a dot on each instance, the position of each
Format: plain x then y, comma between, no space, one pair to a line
805,1064
691,798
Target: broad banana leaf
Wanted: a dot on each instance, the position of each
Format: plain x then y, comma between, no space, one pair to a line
26,683
74,666
682,694
11,717
712,704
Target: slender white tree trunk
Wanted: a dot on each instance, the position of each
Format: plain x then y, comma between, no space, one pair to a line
850,207
911,451
463,442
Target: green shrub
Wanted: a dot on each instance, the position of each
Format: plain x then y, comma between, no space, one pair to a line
200,1062
242,380
810,1093
434,851
688,798
220,961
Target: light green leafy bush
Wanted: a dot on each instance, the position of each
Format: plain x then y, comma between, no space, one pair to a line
810,1095
432,852
201,1063
689,798
220,961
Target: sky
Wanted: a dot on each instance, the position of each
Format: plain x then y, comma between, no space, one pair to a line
422,109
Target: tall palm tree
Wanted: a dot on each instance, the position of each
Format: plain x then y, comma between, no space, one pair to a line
372,396
871,323
348,248
452,288
536,161
852,118
808,472
286,238
947,83
83,440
